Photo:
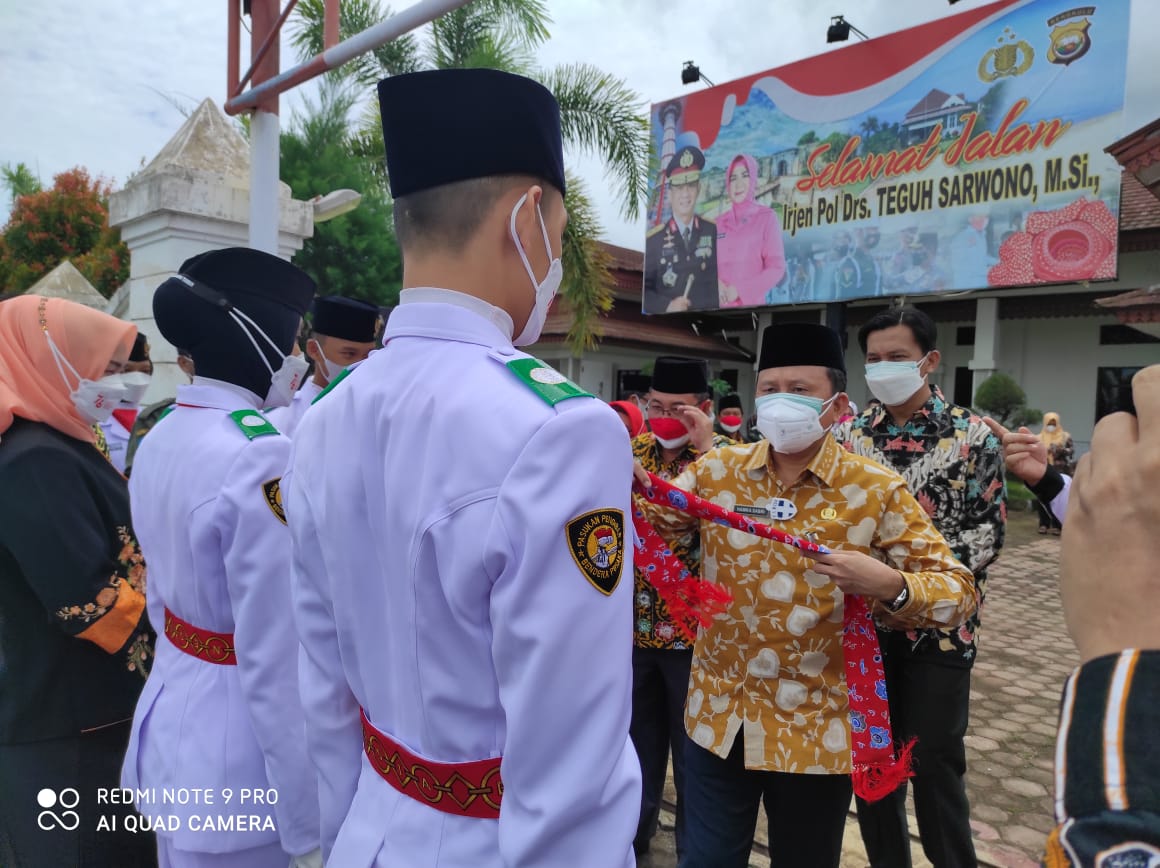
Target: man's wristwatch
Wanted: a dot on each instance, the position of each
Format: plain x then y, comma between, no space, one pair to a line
900,601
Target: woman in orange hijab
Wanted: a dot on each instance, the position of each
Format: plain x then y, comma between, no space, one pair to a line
75,643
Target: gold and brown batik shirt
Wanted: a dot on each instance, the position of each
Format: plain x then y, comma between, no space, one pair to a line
773,662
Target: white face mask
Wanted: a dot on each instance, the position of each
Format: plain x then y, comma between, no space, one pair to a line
791,423
285,381
329,369
95,400
546,290
894,383
136,384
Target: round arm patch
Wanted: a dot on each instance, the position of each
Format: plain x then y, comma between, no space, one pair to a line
596,542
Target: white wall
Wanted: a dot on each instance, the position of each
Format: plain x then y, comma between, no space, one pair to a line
1055,361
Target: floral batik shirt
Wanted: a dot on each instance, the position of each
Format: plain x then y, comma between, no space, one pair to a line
954,465
653,626
772,663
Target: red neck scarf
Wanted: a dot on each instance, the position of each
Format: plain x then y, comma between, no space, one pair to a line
876,772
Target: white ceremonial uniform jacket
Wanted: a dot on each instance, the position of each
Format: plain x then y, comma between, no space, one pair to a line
117,439
207,517
286,419
431,499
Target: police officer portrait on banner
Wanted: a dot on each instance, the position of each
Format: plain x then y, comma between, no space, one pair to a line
680,256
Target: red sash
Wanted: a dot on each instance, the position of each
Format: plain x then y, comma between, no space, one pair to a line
203,644
471,789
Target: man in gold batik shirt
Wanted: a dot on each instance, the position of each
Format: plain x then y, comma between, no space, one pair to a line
767,709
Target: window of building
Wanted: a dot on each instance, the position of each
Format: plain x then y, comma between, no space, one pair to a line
1122,334
1113,390
965,336
963,390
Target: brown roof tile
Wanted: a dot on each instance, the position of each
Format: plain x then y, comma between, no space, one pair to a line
1139,208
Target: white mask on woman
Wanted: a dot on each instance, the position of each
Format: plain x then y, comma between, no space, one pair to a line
545,290
136,384
95,400
285,381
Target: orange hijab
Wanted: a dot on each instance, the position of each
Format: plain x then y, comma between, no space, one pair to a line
31,386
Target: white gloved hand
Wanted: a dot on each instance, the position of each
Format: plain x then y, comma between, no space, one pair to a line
312,859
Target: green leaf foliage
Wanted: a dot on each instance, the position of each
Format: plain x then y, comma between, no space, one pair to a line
1000,397
69,221
600,116
354,254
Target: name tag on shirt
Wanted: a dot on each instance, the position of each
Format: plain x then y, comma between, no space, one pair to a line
779,509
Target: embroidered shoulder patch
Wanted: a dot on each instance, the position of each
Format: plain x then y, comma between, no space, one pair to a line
552,386
253,424
330,386
273,492
596,541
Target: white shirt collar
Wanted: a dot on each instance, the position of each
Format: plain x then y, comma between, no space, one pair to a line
207,392
435,295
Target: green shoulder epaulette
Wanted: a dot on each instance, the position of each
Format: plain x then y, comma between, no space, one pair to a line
330,386
253,424
167,411
552,386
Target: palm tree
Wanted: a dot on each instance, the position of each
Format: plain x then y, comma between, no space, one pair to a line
599,115
20,180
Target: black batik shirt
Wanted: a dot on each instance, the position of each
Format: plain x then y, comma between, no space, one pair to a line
953,464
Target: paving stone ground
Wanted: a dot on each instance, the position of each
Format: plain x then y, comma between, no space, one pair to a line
1025,656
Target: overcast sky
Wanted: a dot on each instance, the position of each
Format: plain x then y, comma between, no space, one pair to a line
93,83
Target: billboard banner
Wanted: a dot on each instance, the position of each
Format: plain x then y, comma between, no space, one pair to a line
957,155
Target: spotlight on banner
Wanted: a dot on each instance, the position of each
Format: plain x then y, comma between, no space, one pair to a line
839,30
691,74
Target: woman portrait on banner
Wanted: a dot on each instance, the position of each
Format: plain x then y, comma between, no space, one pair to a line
750,254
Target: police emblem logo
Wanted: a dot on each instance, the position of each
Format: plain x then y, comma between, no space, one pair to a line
1070,40
273,492
686,159
596,541
1010,57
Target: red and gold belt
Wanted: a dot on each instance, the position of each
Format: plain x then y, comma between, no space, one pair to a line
470,789
203,644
